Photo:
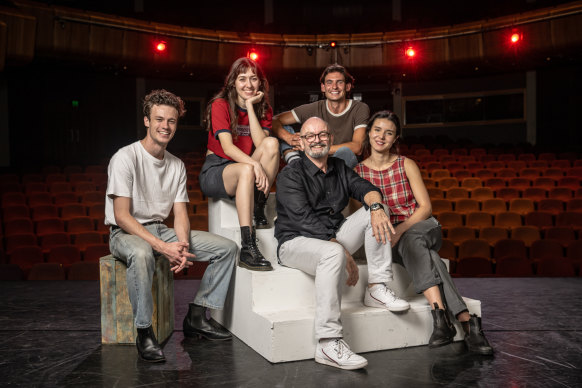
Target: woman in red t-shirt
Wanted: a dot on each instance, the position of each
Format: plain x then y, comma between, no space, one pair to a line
242,158
418,235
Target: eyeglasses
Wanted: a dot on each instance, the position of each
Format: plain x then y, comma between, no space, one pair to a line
323,136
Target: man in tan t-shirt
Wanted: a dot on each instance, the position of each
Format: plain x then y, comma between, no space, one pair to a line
346,118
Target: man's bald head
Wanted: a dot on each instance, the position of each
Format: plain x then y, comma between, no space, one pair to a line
313,125
315,138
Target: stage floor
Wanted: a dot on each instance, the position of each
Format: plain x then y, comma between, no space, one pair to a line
51,337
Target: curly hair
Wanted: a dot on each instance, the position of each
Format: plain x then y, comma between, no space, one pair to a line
228,93
162,97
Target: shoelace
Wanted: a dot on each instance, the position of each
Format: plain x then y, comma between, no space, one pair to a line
340,347
388,292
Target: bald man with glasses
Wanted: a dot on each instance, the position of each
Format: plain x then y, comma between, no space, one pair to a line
316,238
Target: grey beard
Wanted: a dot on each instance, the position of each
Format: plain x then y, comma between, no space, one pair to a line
320,154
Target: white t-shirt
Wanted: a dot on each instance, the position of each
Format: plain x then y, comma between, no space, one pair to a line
153,185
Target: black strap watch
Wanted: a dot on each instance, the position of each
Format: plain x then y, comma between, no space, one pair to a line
376,206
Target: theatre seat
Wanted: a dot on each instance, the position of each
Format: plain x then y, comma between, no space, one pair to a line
83,271
474,266
555,268
47,271
512,266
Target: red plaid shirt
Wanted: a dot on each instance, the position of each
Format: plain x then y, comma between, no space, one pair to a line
396,191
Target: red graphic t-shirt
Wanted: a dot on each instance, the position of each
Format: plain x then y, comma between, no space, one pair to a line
221,123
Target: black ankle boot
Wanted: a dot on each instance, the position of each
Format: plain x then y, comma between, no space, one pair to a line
259,213
197,325
250,256
443,331
147,346
475,338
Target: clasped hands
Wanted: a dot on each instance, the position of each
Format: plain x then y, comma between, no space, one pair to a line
177,254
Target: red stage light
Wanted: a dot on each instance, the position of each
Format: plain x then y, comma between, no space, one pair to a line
253,55
332,44
515,37
410,52
161,46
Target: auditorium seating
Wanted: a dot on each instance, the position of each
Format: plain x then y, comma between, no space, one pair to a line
469,188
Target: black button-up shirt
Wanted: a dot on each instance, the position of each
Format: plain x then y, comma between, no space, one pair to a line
310,202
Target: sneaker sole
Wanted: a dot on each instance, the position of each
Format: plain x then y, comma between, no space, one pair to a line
383,306
325,361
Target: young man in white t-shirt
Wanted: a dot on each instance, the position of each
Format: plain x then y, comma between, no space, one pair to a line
145,183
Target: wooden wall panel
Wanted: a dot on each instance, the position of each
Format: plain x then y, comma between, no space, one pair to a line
566,31
2,45
85,37
537,37
365,56
105,42
496,44
20,36
228,53
137,47
466,47
45,20
200,53
297,58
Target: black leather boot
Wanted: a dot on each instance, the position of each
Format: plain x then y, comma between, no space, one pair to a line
259,213
443,330
197,325
475,338
147,346
250,256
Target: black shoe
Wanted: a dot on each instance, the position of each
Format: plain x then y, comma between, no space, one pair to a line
197,325
259,212
147,346
475,338
250,256
443,331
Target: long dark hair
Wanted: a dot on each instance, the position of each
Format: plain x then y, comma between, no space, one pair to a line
387,115
228,93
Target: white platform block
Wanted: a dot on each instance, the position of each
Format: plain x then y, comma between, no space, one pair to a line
273,312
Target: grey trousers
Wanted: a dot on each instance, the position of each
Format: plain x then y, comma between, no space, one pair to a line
417,252
326,261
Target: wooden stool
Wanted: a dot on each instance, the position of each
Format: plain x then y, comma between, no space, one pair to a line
117,325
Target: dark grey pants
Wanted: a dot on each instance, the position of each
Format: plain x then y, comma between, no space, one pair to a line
417,252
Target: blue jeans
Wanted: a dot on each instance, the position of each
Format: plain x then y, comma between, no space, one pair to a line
139,257
343,153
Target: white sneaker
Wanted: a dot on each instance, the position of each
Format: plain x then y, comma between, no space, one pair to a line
382,296
337,353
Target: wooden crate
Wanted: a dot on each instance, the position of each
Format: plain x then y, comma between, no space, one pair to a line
117,324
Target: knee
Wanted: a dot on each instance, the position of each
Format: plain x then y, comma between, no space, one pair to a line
409,240
141,258
247,172
335,257
271,145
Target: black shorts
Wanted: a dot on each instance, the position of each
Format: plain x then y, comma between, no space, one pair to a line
211,181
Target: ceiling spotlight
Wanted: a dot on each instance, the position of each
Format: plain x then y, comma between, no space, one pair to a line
410,52
160,46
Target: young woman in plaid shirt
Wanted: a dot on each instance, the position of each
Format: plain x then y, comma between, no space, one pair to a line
418,234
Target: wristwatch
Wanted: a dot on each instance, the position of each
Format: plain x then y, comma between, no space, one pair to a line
376,206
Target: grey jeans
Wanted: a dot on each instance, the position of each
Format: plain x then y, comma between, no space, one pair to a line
326,261
139,257
417,252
